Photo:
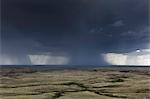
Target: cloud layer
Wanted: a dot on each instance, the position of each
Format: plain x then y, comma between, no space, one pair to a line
139,57
35,59
81,28
7,60
48,60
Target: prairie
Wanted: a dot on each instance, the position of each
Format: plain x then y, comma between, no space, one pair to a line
99,83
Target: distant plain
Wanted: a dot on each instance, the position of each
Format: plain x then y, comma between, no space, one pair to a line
93,83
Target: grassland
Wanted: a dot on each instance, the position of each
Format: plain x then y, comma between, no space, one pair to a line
27,83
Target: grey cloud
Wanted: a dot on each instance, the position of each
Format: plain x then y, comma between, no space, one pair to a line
139,32
81,28
118,23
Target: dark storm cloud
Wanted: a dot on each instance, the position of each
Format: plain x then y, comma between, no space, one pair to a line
82,28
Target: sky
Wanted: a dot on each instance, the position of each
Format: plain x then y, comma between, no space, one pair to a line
75,32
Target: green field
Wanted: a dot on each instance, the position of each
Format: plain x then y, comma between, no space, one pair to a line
27,83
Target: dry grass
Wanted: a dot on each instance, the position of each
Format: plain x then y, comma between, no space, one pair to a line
74,84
